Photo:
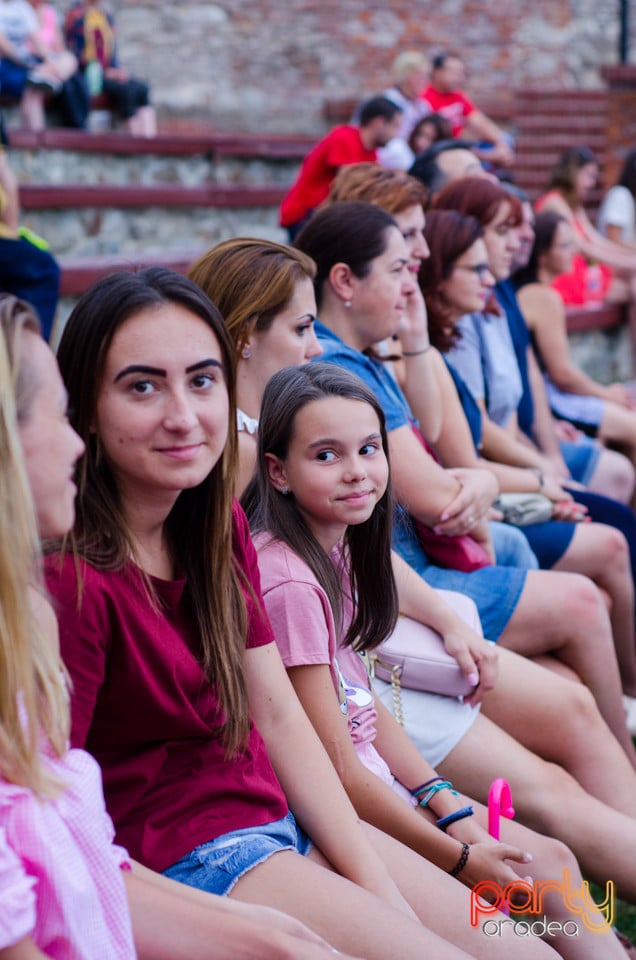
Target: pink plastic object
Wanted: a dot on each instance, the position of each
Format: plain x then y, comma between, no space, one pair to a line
499,805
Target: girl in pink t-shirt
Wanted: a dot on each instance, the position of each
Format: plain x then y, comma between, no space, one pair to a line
323,515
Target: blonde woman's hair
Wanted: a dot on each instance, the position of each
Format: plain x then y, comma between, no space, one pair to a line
407,63
33,696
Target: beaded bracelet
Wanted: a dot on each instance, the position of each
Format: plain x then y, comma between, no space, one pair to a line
444,822
461,863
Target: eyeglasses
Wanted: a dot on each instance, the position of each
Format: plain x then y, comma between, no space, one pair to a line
481,269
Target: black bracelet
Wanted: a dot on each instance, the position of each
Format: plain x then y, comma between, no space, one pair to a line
453,817
461,863
416,353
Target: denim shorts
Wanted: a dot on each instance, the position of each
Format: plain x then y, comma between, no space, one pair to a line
216,866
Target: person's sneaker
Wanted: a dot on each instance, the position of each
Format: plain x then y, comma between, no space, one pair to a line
46,84
629,705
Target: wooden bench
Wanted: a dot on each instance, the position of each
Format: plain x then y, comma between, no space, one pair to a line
168,143
598,317
341,109
79,273
250,194
40,196
544,123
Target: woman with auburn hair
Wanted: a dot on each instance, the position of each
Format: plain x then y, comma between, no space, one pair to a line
265,293
178,686
483,354
66,889
587,461
394,188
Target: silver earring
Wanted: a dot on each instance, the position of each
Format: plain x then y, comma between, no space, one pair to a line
283,490
247,353
347,304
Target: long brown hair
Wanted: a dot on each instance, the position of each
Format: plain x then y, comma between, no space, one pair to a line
448,234
198,529
367,545
546,225
563,175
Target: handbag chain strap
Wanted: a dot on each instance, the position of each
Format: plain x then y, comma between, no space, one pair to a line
396,687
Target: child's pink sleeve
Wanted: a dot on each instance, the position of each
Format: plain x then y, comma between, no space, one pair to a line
17,902
119,854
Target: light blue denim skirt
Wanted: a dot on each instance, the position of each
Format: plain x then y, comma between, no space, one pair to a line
581,458
495,590
216,866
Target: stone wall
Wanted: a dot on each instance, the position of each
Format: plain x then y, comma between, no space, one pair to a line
605,355
243,63
146,229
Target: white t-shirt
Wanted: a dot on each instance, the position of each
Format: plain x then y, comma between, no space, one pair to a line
618,209
397,155
18,20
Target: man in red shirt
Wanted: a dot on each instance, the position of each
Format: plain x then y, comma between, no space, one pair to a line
379,122
468,121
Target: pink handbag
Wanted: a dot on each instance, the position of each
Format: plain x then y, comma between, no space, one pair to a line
415,656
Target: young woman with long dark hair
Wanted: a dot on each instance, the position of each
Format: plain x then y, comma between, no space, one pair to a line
179,690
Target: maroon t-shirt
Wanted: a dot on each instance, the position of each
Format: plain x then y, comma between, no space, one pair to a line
142,706
340,148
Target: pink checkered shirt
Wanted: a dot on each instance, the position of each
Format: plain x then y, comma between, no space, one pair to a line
60,873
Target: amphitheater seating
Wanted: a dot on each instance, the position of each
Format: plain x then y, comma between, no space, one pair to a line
201,140
544,123
37,196
78,273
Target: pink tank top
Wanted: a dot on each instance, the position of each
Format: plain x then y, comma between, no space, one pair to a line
48,26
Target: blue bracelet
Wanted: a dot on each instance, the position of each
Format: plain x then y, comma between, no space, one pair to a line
444,785
453,817
423,787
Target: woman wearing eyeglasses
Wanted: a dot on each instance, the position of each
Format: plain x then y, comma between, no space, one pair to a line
469,325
